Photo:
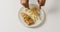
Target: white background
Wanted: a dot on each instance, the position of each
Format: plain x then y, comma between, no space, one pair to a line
9,21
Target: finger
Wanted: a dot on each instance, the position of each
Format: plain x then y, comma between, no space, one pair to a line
25,3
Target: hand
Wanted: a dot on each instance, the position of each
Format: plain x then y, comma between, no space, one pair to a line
41,2
26,3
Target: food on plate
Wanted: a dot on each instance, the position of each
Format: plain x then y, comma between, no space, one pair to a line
30,16
33,13
27,19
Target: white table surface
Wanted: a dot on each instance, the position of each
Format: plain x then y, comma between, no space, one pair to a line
9,21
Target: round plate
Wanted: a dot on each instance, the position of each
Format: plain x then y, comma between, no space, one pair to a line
38,22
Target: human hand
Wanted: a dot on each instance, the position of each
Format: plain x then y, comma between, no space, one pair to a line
26,3
41,2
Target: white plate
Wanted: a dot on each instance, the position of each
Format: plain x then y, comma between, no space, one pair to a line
38,22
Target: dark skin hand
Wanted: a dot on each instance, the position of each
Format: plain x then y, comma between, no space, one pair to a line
25,3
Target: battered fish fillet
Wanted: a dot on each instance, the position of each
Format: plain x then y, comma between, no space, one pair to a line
27,19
